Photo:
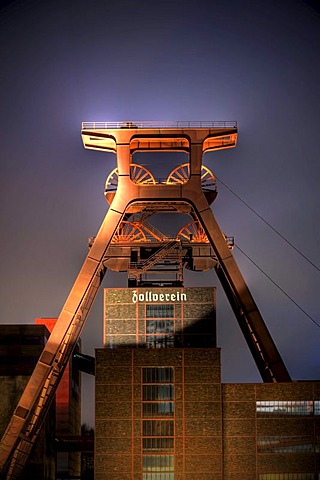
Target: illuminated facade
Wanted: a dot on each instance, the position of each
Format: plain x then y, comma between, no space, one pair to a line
158,387
271,431
163,414
161,410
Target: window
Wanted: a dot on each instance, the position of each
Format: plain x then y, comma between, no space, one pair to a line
158,467
158,423
155,310
158,428
156,409
157,392
284,408
286,444
160,325
157,375
157,444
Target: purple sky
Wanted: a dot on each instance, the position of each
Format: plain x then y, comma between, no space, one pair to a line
256,62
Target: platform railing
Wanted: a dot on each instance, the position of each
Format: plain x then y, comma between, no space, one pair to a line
159,124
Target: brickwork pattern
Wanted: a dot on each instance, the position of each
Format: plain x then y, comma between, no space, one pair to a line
198,413
194,316
243,427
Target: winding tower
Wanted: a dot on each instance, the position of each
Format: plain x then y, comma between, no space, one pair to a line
127,241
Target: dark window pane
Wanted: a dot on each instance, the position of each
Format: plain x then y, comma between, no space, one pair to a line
158,444
158,409
158,428
157,375
159,341
158,392
160,311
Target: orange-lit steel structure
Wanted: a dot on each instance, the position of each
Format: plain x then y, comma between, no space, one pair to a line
134,196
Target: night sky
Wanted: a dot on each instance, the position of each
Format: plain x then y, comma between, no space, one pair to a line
256,62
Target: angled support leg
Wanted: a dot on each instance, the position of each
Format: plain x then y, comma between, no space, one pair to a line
259,340
30,412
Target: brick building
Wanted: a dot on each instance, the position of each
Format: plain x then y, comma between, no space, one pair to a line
20,348
162,412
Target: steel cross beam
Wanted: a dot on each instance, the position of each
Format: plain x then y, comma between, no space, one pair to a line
30,412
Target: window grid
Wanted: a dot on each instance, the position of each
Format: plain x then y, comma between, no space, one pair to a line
157,444
159,341
159,325
158,476
157,375
157,429
156,409
156,310
286,444
157,392
286,407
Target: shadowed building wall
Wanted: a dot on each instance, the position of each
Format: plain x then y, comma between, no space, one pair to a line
20,348
68,411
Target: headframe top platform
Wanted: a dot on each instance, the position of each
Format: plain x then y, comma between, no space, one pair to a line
159,135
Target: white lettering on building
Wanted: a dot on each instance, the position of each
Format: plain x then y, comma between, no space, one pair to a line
150,296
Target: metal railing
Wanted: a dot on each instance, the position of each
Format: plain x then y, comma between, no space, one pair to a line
159,124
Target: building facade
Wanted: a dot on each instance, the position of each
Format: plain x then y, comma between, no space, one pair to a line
162,412
271,431
20,348
68,413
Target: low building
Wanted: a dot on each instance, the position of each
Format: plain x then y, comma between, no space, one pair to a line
20,348
68,413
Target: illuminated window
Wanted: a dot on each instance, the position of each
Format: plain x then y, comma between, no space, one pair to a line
157,428
160,325
158,467
284,408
